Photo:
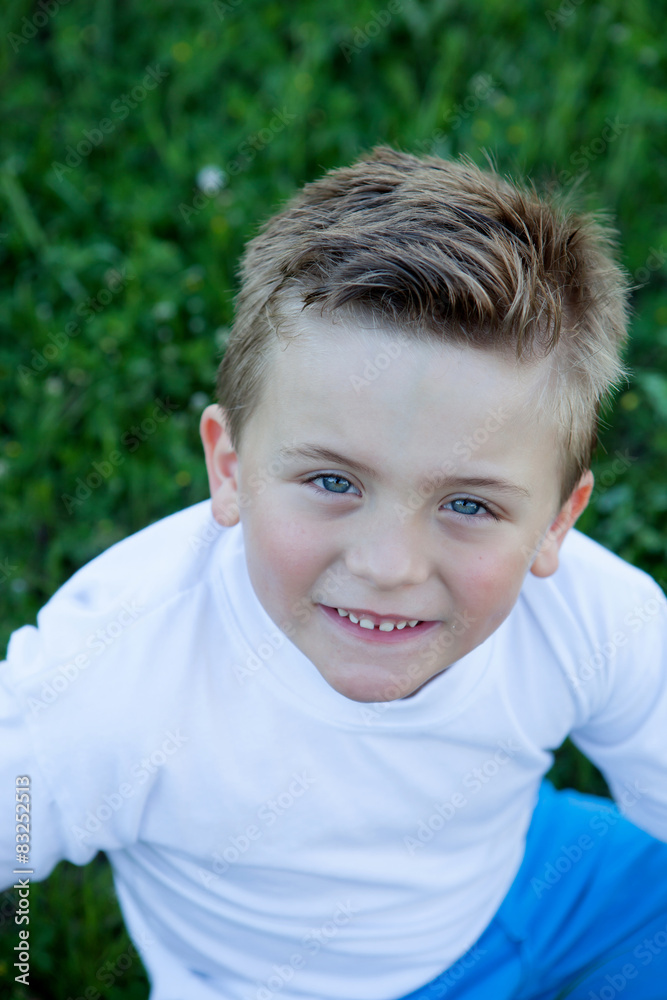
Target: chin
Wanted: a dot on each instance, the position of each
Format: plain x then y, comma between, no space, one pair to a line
366,691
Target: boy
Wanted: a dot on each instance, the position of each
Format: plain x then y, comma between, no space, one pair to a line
309,720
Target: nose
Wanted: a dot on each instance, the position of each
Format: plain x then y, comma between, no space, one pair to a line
388,553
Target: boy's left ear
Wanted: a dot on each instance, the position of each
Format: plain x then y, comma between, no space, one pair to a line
546,561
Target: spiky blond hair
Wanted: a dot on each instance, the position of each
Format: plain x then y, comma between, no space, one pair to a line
449,253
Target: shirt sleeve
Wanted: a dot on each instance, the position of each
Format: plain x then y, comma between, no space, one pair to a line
44,821
626,735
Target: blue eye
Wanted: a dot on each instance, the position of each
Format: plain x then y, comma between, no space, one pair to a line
329,478
466,503
338,485
471,515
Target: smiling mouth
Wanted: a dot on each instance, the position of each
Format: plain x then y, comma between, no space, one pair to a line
385,623
377,628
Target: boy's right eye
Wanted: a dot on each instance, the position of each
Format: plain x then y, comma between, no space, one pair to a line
331,480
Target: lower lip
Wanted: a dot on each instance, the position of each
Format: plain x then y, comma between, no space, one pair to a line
403,635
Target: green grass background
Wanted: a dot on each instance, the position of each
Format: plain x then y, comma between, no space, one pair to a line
351,74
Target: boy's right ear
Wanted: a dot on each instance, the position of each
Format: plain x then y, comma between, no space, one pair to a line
221,465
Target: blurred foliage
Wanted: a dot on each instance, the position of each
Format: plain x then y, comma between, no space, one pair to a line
111,110
78,941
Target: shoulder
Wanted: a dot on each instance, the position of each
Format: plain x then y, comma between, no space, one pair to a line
118,639
155,563
573,637
590,614
593,594
583,552
100,683
139,579
600,578
593,579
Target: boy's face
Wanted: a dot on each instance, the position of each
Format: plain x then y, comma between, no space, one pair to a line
320,533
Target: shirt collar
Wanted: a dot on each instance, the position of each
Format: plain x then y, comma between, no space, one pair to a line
279,666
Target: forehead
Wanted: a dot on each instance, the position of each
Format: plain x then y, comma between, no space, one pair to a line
400,406
331,359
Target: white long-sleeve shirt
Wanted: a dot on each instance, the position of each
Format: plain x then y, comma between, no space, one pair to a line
270,837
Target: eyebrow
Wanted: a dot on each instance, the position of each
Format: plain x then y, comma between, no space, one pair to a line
437,481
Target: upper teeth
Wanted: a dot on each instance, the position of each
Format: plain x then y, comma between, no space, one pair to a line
367,623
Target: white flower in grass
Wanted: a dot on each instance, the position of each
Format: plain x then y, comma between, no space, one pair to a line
211,179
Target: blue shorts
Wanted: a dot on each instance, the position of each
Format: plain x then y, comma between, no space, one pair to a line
585,918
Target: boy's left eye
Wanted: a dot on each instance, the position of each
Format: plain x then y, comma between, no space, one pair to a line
467,502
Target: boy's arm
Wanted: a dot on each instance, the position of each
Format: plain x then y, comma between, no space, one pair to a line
626,736
30,840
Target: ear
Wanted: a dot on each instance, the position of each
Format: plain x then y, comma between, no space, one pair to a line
546,560
221,465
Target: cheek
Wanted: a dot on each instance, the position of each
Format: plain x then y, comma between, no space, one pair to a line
284,548
491,579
